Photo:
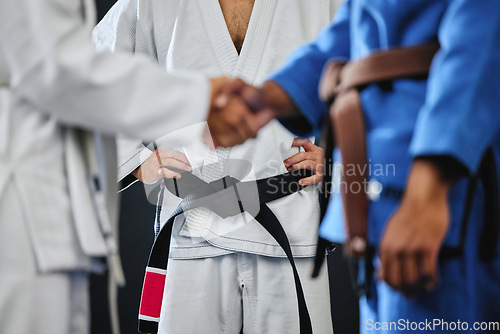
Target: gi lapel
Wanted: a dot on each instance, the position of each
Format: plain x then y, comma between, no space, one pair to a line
256,38
222,44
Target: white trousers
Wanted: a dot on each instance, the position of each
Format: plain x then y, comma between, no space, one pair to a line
32,302
242,293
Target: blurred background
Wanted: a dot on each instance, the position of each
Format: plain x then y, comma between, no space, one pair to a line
136,238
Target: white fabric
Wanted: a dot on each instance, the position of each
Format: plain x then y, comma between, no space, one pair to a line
227,293
192,35
57,81
31,301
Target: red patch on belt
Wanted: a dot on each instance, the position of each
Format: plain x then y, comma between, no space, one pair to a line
152,294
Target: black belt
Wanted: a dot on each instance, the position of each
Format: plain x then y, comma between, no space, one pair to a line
250,197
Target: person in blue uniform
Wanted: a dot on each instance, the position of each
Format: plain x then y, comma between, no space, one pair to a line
431,137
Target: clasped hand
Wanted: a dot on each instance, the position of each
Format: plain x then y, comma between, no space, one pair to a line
239,110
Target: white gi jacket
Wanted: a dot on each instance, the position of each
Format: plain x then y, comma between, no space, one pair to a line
192,35
54,82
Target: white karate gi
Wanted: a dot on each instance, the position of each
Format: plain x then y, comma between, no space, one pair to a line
221,269
51,83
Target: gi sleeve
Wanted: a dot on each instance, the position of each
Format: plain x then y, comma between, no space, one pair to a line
123,30
51,63
460,116
131,154
301,74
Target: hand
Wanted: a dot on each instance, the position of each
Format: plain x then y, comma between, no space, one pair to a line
232,119
233,124
239,110
156,166
312,159
410,245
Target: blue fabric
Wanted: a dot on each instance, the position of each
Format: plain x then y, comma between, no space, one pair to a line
468,290
453,113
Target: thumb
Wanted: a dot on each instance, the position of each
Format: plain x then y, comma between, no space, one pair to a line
254,98
230,88
264,116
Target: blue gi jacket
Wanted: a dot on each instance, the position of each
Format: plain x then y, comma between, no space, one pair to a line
456,112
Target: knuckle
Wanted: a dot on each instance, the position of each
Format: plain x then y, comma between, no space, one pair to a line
400,252
233,124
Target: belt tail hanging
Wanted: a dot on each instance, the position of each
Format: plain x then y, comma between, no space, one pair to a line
195,193
339,88
154,279
351,140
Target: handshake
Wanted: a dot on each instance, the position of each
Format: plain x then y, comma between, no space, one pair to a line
239,110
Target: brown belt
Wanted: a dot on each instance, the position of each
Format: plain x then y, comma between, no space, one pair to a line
339,88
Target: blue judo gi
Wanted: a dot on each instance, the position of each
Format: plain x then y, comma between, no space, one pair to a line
455,112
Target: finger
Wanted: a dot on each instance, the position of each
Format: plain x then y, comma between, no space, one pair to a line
238,116
227,91
410,271
167,159
248,126
411,284
174,163
167,173
218,135
251,126
391,267
227,125
254,98
146,174
305,143
315,179
264,116
301,156
305,164
428,276
394,273
229,139
166,153
240,132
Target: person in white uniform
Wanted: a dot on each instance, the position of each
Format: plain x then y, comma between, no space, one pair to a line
54,90
228,275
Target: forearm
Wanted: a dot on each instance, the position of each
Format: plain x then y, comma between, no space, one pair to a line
285,109
56,69
278,100
427,181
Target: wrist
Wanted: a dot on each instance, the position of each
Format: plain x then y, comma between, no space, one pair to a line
425,182
277,99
